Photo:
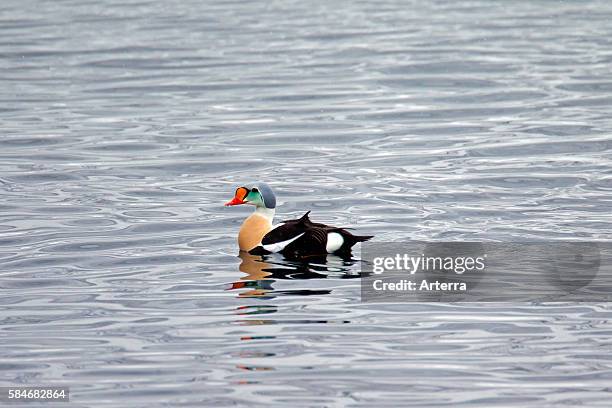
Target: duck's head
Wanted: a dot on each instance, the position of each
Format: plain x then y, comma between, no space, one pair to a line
259,195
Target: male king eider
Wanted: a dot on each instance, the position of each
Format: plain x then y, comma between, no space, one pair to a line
298,238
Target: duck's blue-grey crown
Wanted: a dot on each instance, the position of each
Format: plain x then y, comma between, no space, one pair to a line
267,194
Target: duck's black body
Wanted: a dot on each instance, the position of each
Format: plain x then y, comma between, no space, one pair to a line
303,238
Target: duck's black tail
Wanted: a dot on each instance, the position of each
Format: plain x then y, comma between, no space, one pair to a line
362,238
350,239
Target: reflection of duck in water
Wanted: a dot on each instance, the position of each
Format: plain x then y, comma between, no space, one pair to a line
295,238
263,271
254,267
267,268
260,275
255,279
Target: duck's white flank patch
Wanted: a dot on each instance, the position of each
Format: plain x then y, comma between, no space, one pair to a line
279,246
334,242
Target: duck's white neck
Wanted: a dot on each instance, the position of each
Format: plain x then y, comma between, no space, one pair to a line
265,212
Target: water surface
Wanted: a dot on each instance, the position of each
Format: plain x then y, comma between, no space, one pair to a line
126,125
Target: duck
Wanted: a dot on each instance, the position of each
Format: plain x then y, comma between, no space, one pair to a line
295,238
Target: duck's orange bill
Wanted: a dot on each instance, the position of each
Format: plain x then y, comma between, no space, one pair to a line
238,199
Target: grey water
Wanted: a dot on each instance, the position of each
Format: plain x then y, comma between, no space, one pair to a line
125,126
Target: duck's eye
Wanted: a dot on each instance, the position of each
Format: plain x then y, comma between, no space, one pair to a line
255,190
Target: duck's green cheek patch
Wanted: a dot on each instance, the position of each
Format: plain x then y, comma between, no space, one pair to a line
253,197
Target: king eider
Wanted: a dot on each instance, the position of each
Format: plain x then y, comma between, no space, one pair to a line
297,238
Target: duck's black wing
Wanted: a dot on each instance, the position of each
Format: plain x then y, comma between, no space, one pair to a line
283,235
302,237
